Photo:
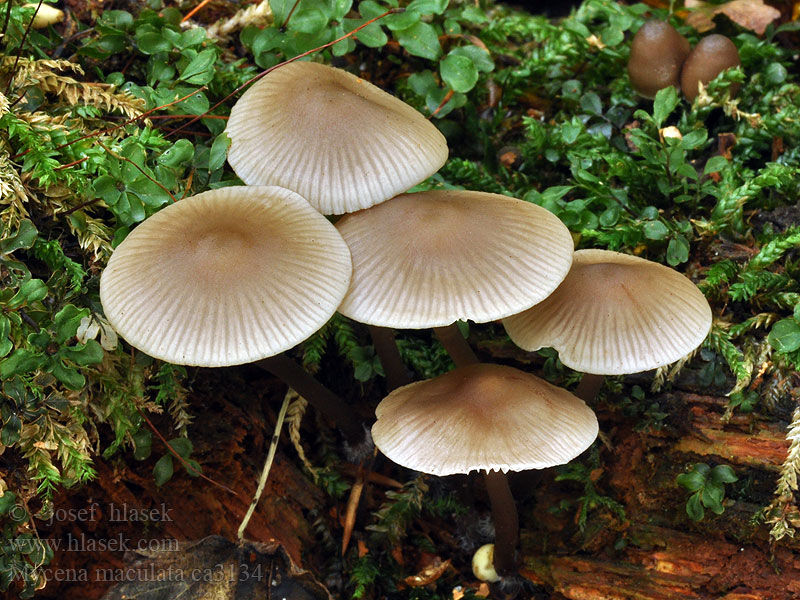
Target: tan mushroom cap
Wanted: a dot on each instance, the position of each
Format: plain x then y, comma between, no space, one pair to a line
337,140
226,277
616,314
482,416
431,258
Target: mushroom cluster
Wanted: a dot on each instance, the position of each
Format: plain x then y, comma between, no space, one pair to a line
241,274
661,57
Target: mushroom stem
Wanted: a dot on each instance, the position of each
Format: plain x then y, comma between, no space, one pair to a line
320,397
457,347
506,522
385,345
589,387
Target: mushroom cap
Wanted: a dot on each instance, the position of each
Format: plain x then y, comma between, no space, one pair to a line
337,140
431,258
482,416
616,314
657,55
712,55
226,277
483,564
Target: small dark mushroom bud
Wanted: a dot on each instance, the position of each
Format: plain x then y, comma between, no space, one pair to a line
711,56
657,54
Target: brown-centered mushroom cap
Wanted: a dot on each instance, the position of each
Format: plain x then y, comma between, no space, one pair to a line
657,54
616,314
226,277
712,55
432,258
337,140
482,416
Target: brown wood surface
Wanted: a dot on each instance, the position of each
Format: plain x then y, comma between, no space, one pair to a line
655,553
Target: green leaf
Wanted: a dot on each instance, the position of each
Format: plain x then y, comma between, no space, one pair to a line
459,73
83,354
785,335
776,73
717,508
163,470
570,131
143,441
693,139
159,70
5,329
369,9
67,321
340,8
363,371
280,9
715,164
191,37
29,292
151,42
712,494
694,508
105,187
473,14
182,446
423,82
7,502
664,103
119,19
267,40
677,251
200,70
310,21
590,102
402,20
9,435
479,57
67,375
611,36
372,36
420,40
176,155
610,216
692,481
219,151
723,474
193,468
23,239
435,98
451,27
655,230
429,7
21,361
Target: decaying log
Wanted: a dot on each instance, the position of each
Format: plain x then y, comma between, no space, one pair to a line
231,451
763,446
665,564
660,553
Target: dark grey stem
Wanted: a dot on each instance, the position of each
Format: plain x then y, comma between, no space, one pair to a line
457,347
589,387
385,345
506,522
320,397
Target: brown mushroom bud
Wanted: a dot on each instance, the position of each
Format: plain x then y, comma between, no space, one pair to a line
711,56
657,54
